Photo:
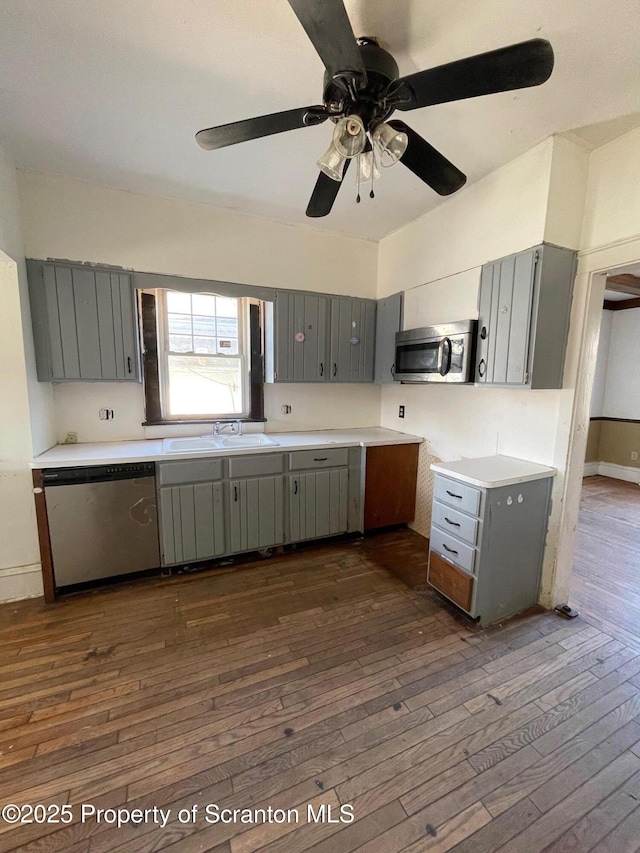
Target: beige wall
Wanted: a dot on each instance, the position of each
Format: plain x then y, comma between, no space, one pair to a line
23,399
88,222
614,442
437,261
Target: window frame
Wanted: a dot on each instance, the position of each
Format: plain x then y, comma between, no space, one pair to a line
155,337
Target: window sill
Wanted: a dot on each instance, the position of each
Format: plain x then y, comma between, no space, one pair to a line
204,421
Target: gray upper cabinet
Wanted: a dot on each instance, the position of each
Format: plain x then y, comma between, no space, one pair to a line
524,307
314,337
352,339
84,323
300,337
388,322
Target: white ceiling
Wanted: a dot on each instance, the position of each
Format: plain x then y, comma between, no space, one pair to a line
114,90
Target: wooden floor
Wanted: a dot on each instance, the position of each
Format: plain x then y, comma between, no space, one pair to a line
605,585
316,678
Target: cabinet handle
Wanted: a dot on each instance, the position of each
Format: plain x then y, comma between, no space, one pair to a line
452,495
129,363
321,369
392,368
453,523
320,458
335,369
295,487
482,369
235,494
450,550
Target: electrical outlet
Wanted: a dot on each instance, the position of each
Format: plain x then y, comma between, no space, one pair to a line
105,414
286,409
634,455
400,411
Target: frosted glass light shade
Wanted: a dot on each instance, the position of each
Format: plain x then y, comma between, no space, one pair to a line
367,167
349,136
332,163
390,142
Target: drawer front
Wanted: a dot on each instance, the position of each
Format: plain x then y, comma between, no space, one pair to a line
452,549
189,471
256,466
458,495
457,523
333,457
450,581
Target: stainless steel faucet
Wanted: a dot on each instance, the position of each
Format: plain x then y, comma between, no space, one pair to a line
218,427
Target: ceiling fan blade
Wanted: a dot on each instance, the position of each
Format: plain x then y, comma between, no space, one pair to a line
325,193
528,63
252,128
327,24
428,164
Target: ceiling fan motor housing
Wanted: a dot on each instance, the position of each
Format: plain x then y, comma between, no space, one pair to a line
381,70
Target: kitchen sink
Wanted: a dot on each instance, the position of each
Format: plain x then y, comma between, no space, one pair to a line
210,444
190,445
257,439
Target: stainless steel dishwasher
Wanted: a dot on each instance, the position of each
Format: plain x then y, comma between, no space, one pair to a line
103,521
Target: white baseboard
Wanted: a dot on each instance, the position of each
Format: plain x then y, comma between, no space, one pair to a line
20,582
618,472
590,469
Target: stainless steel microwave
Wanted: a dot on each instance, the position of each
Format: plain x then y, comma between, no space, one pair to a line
436,353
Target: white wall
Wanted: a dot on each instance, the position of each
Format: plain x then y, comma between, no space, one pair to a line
81,221
622,384
22,400
612,205
437,261
600,379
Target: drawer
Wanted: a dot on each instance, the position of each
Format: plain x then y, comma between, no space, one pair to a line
189,471
457,523
452,582
255,466
458,495
333,457
453,549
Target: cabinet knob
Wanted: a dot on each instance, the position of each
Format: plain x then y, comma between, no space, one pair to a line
483,333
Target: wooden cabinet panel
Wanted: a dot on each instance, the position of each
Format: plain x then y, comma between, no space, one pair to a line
255,513
452,582
191,522
317,504
390,485
388,322
84,323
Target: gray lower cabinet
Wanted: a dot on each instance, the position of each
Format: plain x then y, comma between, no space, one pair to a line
487,545
192,522
84,323
388,322
524,307
255,513
318,503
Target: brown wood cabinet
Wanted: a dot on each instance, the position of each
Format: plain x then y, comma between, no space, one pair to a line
390,485
455,584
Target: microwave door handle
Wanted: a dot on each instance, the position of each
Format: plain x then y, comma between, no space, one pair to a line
444,366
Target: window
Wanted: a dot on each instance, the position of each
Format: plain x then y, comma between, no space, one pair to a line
200,359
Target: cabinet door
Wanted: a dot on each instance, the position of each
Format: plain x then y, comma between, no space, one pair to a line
255,513
352,339
191,522
506,302
300,337
388,322
317,504
84,323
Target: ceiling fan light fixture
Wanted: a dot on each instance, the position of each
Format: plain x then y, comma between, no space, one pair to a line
391,143
367,168
332,163
349,136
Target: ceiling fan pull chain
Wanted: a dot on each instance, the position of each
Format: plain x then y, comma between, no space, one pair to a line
358,180
373,170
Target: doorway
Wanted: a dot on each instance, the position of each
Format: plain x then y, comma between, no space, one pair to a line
605,583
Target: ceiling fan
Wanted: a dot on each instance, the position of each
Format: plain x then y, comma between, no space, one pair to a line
361,91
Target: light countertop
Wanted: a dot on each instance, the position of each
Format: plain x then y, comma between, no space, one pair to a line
123,452
490,472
